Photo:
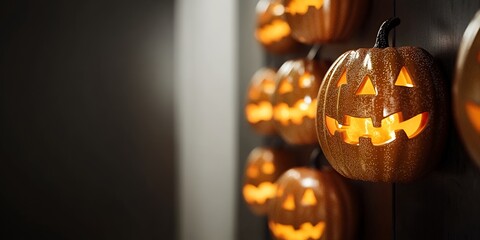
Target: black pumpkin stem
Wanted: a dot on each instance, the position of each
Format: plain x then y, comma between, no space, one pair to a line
382,35
315,158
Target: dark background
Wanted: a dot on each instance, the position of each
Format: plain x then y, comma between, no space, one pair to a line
86,119
444,204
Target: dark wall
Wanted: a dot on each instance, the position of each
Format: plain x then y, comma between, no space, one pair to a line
444,204
86,120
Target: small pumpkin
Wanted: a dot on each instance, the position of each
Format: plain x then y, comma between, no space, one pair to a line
382,112
272,31
295,99
466,90
324,21
259,109
312,204
264,166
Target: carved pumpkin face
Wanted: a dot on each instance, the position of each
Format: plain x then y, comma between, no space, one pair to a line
324,21
312,204
273,32
259,110
381,114
295,99
264,167
466,91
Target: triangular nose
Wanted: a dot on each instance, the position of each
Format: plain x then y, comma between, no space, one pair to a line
366,88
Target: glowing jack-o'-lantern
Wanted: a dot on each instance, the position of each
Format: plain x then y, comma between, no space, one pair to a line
466,91
382,112
295,101
259,110
312,204
264,167
273,32
324,21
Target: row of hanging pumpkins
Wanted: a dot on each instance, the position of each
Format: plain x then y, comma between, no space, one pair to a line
378,114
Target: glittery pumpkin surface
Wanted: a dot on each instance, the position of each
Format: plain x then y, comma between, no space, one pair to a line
405,87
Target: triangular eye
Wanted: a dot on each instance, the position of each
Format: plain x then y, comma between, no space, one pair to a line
268,168
404,79
309,198
268,86
289,203
366,88
285,87
343,79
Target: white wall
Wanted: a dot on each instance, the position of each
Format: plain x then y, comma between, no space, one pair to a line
205,91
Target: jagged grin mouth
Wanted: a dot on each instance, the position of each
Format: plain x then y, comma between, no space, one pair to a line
355,128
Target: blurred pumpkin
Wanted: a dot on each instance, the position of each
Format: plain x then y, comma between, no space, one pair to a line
382,112
295,99
264,166
312,204
324,21
272,31
466,90
259,110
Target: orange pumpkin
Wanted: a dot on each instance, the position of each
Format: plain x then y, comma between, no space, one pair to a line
295,99
272,31
466,91
264,166
312,204
259,110
324,21
382,112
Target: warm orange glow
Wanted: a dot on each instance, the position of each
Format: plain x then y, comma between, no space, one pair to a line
281,113
268,168
279,192
285,87
355,128
259,112
267,86
252,171
473,112
343,79
366,88
309,198
289,203
301,6
273,32
260,194
305,232
303,108
306,80
404,79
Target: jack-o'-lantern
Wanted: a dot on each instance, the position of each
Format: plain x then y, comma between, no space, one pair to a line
466,91
324,21
382,112
312,204
295,101
264,166
259,109
273,32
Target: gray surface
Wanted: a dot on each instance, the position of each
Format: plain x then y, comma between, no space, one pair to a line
86,120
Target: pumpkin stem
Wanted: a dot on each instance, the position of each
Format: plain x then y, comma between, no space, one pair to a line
382,35
315,158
